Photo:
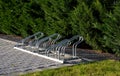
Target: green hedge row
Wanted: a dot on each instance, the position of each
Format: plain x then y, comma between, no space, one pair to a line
96,20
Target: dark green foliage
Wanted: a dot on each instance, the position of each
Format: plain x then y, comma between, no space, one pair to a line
98,25
96,20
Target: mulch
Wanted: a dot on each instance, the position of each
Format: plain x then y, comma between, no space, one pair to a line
83,53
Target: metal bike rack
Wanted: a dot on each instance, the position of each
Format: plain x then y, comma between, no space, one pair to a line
30,40
74,46
49,47
47,41
59,48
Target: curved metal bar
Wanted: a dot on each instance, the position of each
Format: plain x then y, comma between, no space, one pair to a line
31,36
63,48
74,47
75,37
58,37
46,39
78,44
51,42
58,51
35,40
62,51
59,48
56,46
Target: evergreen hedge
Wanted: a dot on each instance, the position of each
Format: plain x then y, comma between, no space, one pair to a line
96,20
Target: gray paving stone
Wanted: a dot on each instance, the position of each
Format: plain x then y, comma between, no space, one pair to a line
12,60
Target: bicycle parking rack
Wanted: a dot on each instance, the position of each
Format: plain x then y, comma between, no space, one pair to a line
30,40
49,47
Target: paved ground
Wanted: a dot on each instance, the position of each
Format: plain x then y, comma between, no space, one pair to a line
14,61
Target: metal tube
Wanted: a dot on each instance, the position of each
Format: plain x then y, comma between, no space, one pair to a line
49,38
29,37
74,47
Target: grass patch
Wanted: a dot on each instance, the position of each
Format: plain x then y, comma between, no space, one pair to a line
102,68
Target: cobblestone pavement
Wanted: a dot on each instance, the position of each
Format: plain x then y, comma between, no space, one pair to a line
14,61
